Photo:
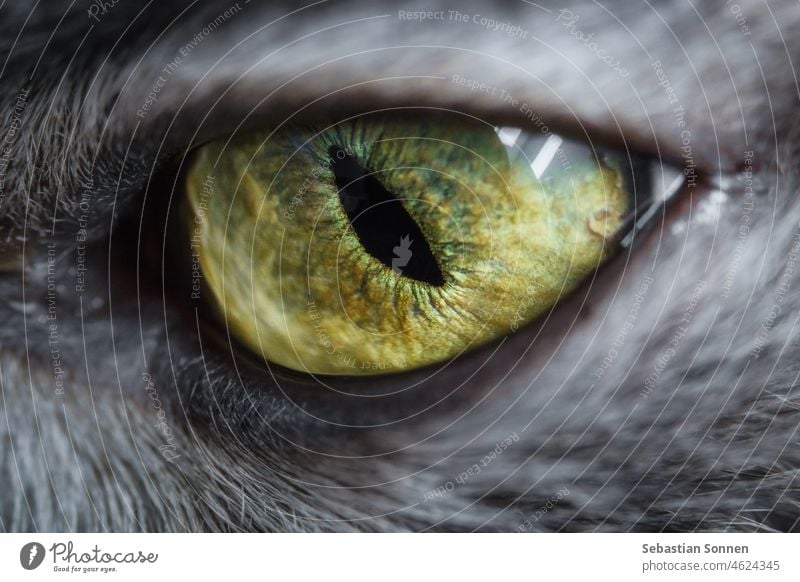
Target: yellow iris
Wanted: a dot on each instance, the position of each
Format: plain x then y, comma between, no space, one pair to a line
385,243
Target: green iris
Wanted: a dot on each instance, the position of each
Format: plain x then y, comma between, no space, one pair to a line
385,243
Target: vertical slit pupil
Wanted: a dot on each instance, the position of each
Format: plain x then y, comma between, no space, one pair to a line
384,227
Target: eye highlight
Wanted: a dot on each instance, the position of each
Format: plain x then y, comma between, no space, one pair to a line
389,242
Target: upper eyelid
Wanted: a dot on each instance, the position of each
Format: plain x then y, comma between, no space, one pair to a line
259,97
222,117
228,117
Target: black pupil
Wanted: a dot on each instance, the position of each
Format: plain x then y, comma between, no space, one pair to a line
384,227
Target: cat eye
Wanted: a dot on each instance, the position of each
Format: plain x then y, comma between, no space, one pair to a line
387,242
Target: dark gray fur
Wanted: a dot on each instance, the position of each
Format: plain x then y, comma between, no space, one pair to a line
713,447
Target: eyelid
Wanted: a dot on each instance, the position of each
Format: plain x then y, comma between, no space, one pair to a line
225,104
220,119
225,117
671,183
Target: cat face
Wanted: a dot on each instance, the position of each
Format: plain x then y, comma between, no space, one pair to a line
659,395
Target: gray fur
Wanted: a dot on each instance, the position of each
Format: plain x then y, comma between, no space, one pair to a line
712,446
